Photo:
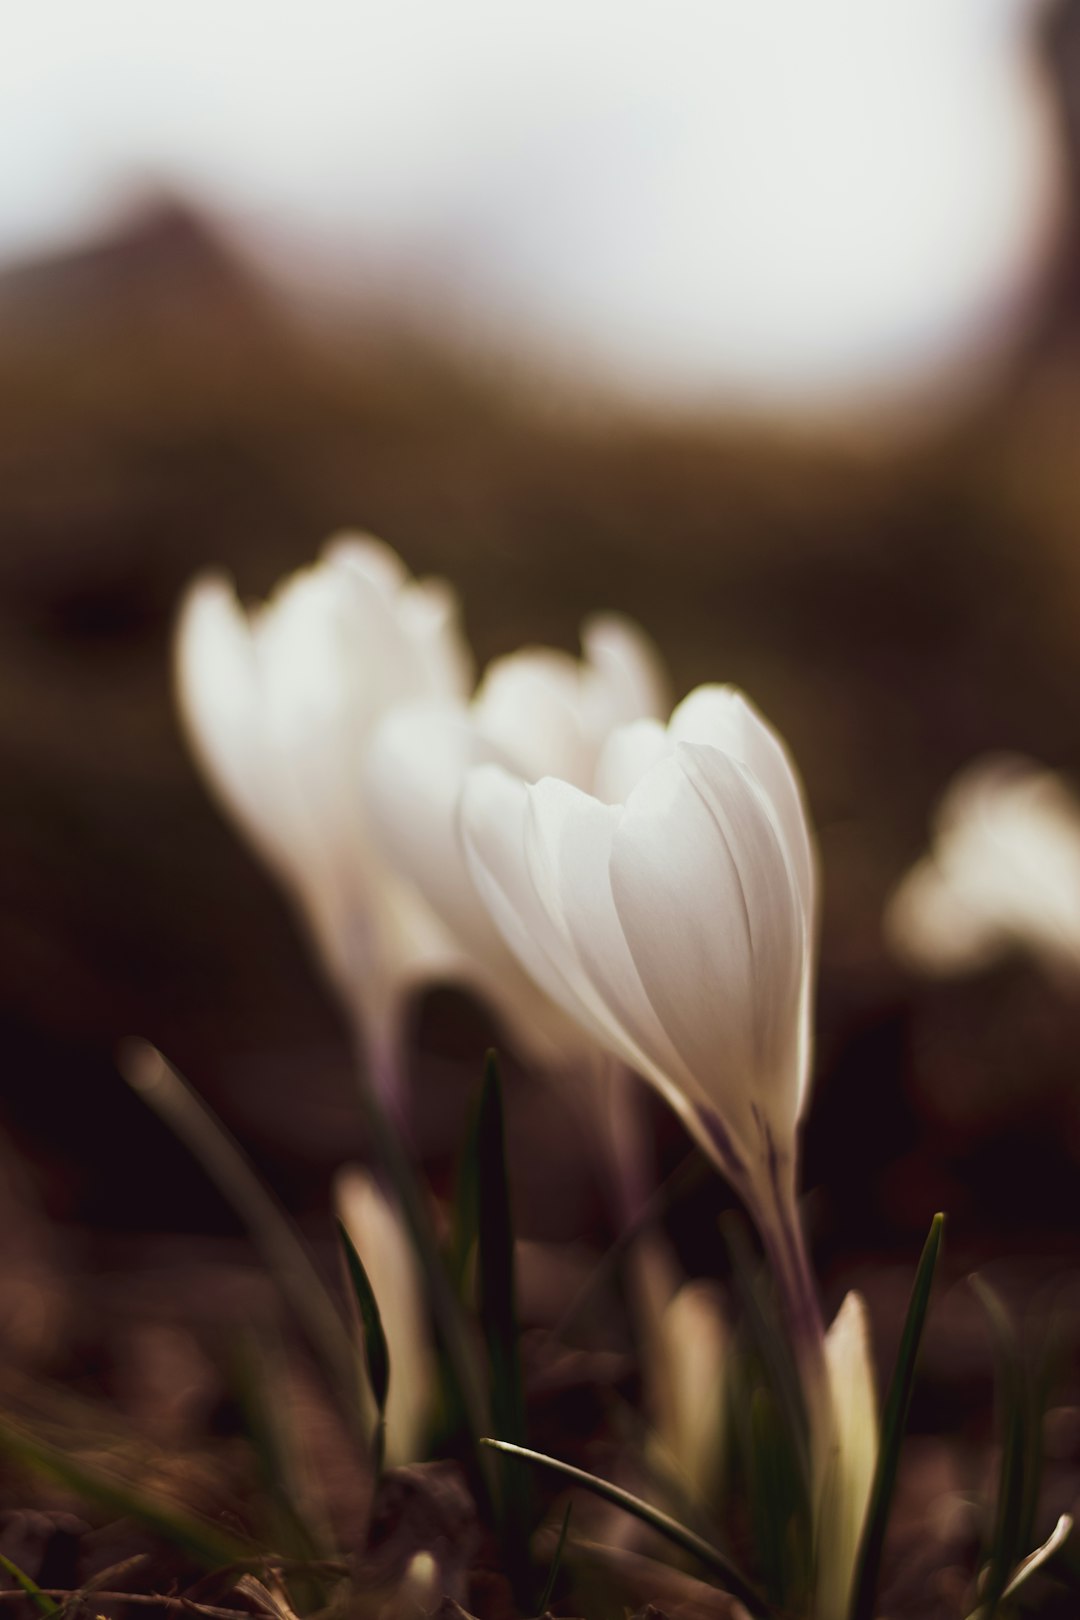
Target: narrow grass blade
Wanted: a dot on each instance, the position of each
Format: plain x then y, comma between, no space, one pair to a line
151,1075
376,1351
893,1424
41,1600
466,1220
732,1579
495,1257
202,1541
1005,1542
498,1319
556,1564
1048,1371
257,1374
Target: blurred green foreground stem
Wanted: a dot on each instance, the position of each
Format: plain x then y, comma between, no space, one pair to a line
378,1085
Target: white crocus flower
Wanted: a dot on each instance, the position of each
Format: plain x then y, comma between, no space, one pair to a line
673,915
845,1472
279,703
536,712
382,1242
1003,871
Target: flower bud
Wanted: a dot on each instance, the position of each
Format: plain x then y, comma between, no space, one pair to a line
380,1238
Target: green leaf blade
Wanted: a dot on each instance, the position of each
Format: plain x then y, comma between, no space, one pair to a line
495,1255
496,1289
712,1557
41,1600
893,1426
1014,1418
161,1086
376,1349
556,1563
452,1328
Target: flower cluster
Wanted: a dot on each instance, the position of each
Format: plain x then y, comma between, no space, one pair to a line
626,890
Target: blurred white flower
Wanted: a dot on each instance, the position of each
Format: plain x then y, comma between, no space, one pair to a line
690,1403
536,712
1003,871
379,1236
552,714
845,1470
685,1352
279,704
673,915
420,1592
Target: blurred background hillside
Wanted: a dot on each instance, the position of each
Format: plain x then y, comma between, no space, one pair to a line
767,333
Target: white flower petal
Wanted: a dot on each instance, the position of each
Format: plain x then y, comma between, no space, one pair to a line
552,713
414,773
299,637
725,718
568,838
528,704
281,705
373,559
415,768
706,897
493,816
430,613
219,696
628,753
625,674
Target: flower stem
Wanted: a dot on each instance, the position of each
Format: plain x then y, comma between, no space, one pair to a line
785,1244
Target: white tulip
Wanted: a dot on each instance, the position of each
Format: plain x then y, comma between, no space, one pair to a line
845,1470
676,923
1003,871
536,712
279,704
382,1242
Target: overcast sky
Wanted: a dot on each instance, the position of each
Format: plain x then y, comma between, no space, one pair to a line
765,201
